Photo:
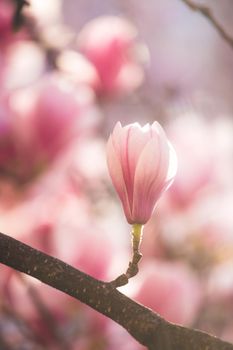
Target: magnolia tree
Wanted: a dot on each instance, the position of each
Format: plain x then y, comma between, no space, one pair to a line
107,243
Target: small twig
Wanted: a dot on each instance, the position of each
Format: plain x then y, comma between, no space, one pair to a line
133,265
205,11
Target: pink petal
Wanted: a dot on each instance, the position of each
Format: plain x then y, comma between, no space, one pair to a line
136,144
115,170
120,139
172,163
150,178
130,142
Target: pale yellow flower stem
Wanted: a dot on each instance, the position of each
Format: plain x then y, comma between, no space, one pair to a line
132,270
136,236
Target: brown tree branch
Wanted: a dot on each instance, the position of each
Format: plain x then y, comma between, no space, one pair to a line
18,18
205,11
144,325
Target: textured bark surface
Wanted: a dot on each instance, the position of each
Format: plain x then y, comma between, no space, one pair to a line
144,325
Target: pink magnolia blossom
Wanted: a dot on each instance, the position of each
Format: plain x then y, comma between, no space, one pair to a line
109,43
38,124
142,165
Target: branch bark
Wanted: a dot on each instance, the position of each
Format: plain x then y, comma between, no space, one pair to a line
205,11
18,18
144,325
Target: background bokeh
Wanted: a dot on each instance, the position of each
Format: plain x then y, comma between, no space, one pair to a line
67,75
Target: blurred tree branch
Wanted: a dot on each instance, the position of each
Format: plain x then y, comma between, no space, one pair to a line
205,11
18,19
144,325
47,317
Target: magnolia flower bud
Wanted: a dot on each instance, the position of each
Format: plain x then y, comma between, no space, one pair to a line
142,165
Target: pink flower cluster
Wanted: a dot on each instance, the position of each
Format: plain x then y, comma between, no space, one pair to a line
33,133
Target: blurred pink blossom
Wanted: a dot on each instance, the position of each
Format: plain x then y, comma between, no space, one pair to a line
214,227
42,308
220,283
44,222
110,44
190,221
89,249
6,16
171,289
191,138
142,165
204,148
78,69
7,32
25,63
118,338
39,124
